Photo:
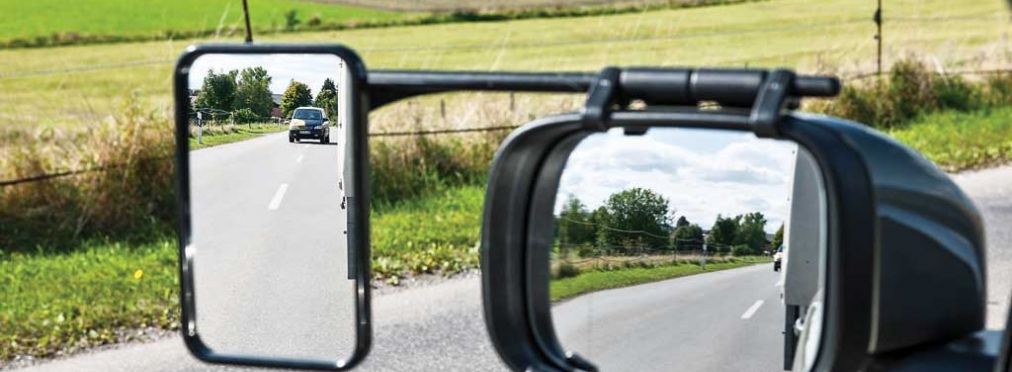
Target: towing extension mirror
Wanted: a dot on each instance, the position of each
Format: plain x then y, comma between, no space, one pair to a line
875,214
904,261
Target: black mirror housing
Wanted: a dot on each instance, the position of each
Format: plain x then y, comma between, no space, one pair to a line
888,207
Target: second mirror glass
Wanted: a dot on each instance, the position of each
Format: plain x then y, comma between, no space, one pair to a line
670,252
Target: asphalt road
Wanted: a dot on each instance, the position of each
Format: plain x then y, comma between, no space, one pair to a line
269,230
712,321
720,321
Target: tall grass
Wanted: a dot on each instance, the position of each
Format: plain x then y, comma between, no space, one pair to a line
403,168
132,196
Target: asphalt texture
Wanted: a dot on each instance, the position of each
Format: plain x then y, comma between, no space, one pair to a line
707,322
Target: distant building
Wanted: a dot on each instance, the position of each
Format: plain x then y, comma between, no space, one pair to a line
276,107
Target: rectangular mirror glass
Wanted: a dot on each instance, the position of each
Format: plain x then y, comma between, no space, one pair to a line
269,244
690,250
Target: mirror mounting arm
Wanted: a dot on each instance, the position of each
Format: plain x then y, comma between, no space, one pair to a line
766,112
597,109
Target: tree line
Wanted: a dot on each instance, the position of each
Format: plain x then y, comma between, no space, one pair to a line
244,96
638,220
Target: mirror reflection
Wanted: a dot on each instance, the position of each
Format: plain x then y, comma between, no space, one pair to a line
269,220
671,252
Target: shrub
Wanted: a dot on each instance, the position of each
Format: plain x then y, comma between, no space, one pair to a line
912,90
245,116
566,270
741,250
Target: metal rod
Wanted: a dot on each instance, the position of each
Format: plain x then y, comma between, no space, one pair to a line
249,30
878,36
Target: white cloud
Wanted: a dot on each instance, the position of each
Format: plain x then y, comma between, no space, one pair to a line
702,172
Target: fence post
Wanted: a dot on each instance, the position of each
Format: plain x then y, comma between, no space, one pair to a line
200,129
703,260
878,36
442,108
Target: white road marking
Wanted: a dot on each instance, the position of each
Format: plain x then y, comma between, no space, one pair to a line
276,201
751,311
779,283
299,160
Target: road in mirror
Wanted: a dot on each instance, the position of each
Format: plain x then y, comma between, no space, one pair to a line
269,220
670,252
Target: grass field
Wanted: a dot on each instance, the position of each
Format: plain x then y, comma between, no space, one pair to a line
598,280
65,86
127,17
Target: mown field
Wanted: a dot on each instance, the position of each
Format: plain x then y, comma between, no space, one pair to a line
42,18
73,85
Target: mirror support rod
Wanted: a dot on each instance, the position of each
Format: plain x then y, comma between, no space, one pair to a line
654,86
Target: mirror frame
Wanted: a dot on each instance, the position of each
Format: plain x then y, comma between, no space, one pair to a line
356,192
526,170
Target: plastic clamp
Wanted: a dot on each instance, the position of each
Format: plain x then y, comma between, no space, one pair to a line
765,116
597,109
580,363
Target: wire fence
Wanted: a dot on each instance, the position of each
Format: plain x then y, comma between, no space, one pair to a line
497,46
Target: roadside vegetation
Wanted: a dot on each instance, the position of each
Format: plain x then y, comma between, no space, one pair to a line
229,133
107,107
609,277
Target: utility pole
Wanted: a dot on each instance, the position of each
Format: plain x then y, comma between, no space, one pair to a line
878,35
249,30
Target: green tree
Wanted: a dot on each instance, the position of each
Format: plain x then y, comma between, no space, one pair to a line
327,100
778,238
688,238
575,228
297,95
723,234
752,232
253,92
328,84
217,94
637,217
682,221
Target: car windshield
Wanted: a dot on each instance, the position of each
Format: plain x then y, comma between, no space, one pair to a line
308,114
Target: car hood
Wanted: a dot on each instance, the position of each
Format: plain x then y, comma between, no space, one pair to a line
306,122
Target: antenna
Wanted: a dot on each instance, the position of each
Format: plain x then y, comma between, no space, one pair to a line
249,30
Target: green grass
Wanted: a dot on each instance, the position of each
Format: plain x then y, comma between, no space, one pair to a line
84,298
434,234
597,280
961,140
54,302
239,133
42,18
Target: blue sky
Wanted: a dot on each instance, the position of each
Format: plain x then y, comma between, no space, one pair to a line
311,69
702,172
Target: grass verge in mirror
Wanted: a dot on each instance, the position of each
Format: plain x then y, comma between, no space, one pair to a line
695,248
269,232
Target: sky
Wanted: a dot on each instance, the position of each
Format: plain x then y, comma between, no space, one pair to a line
311,69
702,172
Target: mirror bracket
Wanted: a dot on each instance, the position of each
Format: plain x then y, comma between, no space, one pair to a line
766,112
597,109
